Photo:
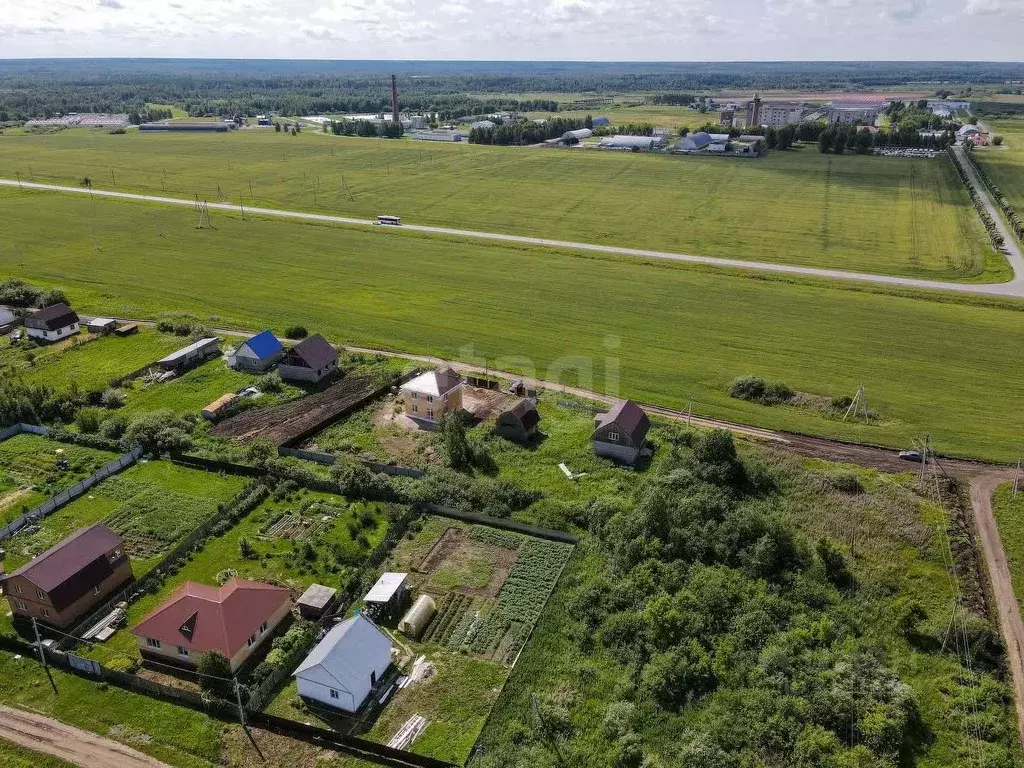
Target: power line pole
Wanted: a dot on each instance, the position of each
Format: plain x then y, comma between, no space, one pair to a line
39,642
238,699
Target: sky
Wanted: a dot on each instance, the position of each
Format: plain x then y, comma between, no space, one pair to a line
584,30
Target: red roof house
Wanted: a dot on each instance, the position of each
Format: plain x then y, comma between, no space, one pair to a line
232,620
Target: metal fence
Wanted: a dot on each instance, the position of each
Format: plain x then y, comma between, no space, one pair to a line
66,496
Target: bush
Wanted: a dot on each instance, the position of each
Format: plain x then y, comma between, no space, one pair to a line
113,426
112,398
159,432
246,550
214,670
270,382
296,332
88,420
756,390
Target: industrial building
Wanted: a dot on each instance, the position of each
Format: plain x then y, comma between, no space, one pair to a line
694,142
203,127
82,120
777,114
949,105
855,112
632,142
437,135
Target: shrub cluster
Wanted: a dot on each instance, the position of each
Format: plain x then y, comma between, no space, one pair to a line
757,390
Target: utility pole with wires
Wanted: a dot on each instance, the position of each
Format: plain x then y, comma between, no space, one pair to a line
39,642
202,214
858,406
238,700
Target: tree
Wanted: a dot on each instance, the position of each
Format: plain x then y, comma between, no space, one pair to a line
825,141
997,141
215,672
159,432
454,443
296,332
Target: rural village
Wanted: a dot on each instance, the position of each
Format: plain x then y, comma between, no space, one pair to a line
322,452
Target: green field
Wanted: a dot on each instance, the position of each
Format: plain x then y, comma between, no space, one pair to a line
1005,164
1008,509
13,756
152,505
196,389
91,362
670,333
29,474
869,214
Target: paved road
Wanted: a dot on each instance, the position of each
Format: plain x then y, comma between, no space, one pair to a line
74,745
1014,288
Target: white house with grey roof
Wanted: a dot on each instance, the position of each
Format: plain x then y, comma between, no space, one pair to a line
346,665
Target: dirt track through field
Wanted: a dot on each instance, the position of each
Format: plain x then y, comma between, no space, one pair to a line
982,488
1013,288
74,745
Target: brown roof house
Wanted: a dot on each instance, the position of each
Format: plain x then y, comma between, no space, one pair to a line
621,433
53,323
432,395
233,620
520,422
66,581
311,360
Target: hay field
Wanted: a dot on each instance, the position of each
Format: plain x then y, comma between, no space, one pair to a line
946,367
885,215
1005,164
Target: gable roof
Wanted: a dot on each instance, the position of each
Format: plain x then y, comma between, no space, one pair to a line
526,411
628,417
346,652
264,345
54,316
6,316
67,558
206,618
315,352
434,382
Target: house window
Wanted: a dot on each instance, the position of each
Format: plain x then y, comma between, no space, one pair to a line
117,554
430,398
430,413
263,627
46,613
17,588
613,437
152,642
252,640
40,594
182,650
334,694
415,408
415,395
21,605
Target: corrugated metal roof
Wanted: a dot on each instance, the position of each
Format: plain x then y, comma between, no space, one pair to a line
629,418
385,588
54,316
351,650
185,351
64,559
264,345
434,382
315,352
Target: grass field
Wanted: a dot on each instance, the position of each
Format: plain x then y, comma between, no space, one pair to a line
658,332
196,389
91,362
885,215
1009,511
29,473
13,756
1005,164
151,505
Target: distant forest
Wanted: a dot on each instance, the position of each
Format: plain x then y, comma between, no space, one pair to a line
43,88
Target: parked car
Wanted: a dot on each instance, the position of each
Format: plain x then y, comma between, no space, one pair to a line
911,456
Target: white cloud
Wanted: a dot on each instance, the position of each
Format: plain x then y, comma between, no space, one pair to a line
518,29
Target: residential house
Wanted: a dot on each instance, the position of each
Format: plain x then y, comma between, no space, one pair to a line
432,395
344,667
53,323
520,422
256,354
311,360
233,620
66,581
7,319
621,433
192,355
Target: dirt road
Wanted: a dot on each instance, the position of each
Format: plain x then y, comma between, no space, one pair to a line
71,744
1013,288
982,487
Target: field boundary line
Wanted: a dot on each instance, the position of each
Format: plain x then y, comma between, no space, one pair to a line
1012,289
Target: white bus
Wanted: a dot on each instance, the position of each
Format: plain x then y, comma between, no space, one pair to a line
394,221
